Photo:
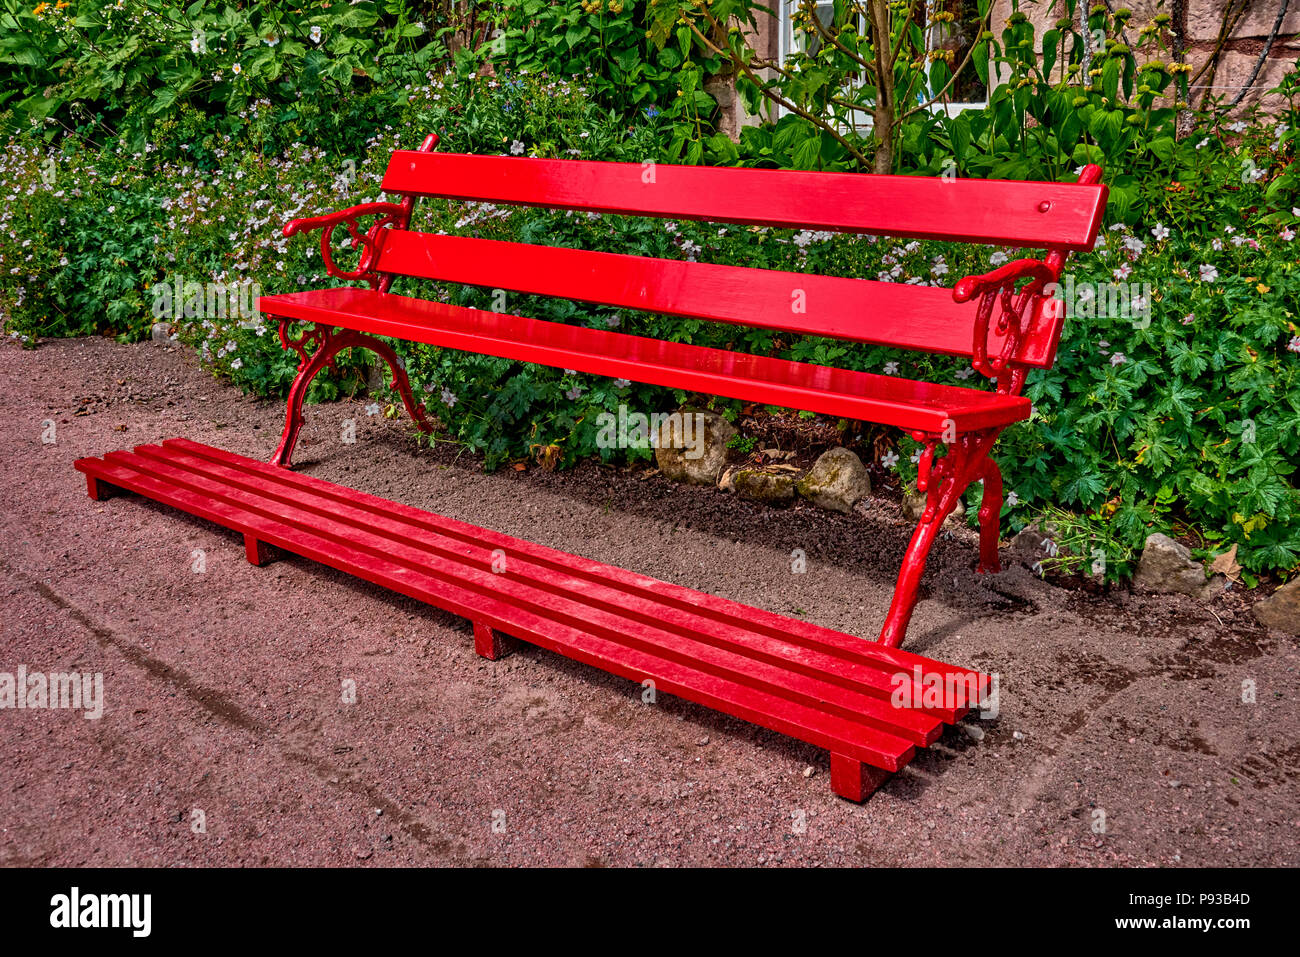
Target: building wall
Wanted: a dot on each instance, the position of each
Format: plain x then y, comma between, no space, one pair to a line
1198,22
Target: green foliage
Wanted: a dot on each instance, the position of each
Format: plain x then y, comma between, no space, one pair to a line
1189,422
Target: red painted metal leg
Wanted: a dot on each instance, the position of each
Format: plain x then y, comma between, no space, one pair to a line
909,580
401,383
330,344
990,518
944,481
257,552
853,780
491,644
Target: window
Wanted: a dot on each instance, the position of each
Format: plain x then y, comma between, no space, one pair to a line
953,34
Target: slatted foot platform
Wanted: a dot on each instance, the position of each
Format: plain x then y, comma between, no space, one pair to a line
871,706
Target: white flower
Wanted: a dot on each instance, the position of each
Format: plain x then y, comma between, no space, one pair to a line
271,41
237,364
889,459
448,398
1203,143
196,45
998,258
1294,344
315,34
1188,319
891,368
1118,359
1287,234
1160,231
622,383
372,408
1237,127
1217,245
236,69
1123,272
1013,499
1208,273
517,148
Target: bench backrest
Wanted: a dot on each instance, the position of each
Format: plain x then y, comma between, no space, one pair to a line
1057,217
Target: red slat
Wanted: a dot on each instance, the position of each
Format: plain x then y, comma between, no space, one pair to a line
847,650
673,677
999,212
542,592
861,310
888,400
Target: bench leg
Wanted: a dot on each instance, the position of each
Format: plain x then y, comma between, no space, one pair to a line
491,644
330,343
853,780
257,552
944,481
990,519
98,489
909,581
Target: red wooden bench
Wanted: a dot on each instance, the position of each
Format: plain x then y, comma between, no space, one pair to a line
828,688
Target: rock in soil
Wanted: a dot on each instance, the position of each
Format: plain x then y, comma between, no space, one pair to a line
692,447
770,488
1168,567
838,481
1281,610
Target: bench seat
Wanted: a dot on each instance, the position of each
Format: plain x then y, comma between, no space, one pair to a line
888,400
821,686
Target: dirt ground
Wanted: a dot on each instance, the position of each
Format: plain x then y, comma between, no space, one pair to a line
222,697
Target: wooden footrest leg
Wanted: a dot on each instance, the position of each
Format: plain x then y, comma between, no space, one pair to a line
257,552
853,780
491,644
97,489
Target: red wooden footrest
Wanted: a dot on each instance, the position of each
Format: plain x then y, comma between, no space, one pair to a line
821,686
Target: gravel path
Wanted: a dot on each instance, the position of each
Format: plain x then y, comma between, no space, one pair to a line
222,689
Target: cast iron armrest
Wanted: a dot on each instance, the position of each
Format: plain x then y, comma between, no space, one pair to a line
387,215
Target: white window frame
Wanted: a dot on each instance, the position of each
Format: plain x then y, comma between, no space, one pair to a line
786,46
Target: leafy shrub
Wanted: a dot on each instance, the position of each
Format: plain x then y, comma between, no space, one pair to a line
1188,423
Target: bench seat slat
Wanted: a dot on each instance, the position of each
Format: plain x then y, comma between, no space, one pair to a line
888,400
238,493
904,315
998,212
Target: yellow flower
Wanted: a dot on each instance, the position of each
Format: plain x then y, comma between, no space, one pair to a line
40,8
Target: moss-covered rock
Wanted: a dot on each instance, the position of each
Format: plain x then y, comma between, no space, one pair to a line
838,481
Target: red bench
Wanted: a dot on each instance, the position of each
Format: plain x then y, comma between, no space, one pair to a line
821,686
